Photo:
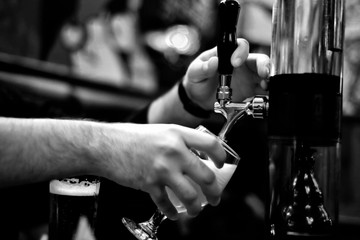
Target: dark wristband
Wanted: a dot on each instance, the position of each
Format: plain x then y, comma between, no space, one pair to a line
190,106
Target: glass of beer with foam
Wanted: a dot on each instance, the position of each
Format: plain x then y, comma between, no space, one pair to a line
73,201
148,230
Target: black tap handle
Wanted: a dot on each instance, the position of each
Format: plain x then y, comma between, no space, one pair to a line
228,16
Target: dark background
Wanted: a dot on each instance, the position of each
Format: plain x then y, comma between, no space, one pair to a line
29,37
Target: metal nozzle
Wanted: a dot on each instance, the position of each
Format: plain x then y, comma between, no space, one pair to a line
224,91
256,106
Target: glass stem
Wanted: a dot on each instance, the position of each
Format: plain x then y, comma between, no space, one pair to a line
154,222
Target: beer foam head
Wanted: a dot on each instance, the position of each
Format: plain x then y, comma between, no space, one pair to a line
74,187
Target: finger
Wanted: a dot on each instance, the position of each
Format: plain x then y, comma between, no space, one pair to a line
210,67
162,201
260,64
201,171
196,169
185,192
206,55
241,53
202,69
206,143
264,84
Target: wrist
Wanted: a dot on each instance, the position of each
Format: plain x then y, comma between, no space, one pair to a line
190,106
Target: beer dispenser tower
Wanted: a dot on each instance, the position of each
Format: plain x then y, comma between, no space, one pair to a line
304,118
303,110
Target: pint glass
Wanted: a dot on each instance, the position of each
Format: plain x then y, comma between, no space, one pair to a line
72,199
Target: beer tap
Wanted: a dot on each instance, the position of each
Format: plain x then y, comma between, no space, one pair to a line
255,106
228,11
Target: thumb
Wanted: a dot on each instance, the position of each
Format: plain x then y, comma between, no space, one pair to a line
202,69
209,67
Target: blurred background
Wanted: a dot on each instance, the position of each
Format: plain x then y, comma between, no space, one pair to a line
105,59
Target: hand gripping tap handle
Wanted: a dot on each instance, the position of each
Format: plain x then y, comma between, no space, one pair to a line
228,16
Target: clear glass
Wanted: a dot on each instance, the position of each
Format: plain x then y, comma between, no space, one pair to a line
72,201
147,230
304,185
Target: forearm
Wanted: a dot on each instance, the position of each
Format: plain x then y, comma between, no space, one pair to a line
33,150
169,109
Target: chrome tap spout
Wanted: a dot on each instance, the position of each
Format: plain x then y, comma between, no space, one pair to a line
256,106
232,113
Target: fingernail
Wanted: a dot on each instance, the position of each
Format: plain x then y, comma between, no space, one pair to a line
267,71
205,66
217,202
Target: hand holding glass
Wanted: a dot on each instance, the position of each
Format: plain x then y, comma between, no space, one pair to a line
147,230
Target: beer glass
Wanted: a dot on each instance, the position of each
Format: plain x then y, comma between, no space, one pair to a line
72,199
147,230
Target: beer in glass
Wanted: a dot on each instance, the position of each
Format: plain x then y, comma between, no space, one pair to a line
72,199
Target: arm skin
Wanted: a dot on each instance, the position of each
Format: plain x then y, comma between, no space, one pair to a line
201,81
141,156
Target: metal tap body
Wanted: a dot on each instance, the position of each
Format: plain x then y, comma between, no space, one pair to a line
256,107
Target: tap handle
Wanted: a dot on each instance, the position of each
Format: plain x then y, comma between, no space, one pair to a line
228,17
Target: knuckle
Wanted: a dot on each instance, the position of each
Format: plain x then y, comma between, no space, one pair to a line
209,177
171,146
190,197
189,194
214,143
161,168
191,163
